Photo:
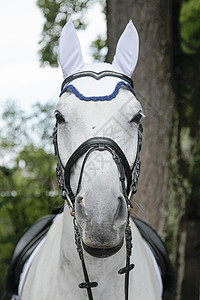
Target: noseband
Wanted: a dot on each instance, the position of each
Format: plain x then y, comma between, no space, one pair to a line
128,177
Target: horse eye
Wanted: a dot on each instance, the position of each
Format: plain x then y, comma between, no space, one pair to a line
59,117
136,118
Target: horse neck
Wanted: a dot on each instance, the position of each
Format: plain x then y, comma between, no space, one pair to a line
58,262
105,270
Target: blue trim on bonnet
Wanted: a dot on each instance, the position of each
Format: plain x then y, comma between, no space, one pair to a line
98,98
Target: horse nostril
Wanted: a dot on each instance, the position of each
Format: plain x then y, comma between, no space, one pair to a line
80,206
121,211
81,200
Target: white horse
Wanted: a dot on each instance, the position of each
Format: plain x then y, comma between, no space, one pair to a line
104,107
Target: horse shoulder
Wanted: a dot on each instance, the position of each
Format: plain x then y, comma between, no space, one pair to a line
145,279
44,265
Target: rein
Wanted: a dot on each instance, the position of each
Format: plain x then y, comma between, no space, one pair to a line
128,177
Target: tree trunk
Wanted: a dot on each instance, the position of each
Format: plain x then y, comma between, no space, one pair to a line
153,86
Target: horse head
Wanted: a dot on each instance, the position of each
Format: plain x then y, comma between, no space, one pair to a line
96,140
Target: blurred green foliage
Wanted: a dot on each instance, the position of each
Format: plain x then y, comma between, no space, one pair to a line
56,14
194,208
99,48
189,77
189,70
186,139
28,184
190,25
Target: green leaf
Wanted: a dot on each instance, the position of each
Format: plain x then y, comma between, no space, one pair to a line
190,25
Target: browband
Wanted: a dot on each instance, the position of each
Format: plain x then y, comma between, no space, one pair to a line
97,76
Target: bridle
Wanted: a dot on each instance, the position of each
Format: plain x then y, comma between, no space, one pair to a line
128,177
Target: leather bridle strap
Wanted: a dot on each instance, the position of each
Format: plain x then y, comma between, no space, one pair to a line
87,284
99,144
128,266
97,76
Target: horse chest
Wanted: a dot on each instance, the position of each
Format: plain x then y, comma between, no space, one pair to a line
59,271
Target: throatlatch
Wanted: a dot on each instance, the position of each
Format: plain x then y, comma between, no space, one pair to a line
128,179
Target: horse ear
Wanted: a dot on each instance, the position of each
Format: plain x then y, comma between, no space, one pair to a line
127,51
70,56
